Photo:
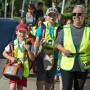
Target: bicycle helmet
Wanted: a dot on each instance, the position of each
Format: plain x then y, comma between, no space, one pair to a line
51,10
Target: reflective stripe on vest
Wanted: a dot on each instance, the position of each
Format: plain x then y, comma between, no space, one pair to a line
67,63
20,55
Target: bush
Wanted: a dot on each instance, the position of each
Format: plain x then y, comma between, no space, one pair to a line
67,16
88,20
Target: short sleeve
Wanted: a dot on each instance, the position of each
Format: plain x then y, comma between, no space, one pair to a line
43,26
39,32
7,48
59,39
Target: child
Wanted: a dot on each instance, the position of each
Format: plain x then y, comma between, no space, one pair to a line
38,23
23,20
29,36
31,39
20,46
68,21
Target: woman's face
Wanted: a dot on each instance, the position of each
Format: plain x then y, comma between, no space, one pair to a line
78,16
30,10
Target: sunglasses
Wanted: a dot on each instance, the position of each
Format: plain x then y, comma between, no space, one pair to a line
78,14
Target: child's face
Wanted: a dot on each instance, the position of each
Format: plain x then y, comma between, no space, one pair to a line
21,35
52,17
39,23
68,22
22,21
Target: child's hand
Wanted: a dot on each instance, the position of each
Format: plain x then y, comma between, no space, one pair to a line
31,40
27,47
13,59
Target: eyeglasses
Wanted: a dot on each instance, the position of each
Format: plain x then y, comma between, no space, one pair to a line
78,14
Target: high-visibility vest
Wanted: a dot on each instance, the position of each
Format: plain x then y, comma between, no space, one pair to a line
48,40
21,56
47,34
67,63
34,30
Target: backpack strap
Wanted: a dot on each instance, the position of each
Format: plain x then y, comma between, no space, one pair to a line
12,49
30,62
11,53
26,55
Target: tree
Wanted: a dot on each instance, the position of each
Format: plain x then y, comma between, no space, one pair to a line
48,3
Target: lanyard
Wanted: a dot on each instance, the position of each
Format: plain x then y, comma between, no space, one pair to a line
21,48
51,31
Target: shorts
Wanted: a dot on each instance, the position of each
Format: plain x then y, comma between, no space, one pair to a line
42,75
22,82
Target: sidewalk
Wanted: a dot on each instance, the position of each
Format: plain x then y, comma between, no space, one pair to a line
4,85
4,82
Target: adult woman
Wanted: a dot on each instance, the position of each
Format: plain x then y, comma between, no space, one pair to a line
30,16
73,42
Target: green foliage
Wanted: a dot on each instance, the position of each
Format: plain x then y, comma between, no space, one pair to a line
88,20
48,3
18,6
68,15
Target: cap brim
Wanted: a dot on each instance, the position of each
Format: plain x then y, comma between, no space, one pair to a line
50,12
22,29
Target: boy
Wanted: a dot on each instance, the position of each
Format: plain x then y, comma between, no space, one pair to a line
20,47
49,34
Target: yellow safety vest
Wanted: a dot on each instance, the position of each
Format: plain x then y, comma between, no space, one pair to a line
48,40
20,55
67,63
34,30
47,34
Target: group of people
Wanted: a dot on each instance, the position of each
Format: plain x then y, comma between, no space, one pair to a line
33,13
70,47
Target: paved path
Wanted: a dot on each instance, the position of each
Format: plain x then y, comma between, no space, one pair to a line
4,85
